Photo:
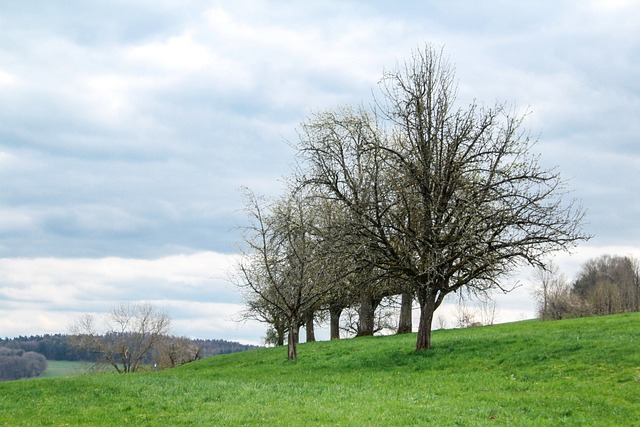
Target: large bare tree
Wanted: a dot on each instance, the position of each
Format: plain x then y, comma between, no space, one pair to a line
441,197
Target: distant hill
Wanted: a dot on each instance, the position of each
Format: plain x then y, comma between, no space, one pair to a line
57,347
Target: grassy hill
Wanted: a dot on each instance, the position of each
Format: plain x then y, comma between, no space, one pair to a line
571,372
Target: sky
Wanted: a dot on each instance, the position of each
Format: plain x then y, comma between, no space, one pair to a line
127,130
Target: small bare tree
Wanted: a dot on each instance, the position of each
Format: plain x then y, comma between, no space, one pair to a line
465,316
284,268
547,283
132,330
488,310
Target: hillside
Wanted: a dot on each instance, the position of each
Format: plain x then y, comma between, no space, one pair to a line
569,372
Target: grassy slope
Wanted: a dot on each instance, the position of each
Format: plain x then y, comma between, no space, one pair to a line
572,372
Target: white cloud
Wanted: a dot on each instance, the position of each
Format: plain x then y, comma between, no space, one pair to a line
176,53
109,98
128,129
194,288
13,220
616,7
7,79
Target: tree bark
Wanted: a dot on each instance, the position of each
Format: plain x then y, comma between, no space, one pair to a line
292,340
405,324
309,328
281,332
366,315
427,300
334,321
636,286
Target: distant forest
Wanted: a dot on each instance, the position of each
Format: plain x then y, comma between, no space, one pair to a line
58,347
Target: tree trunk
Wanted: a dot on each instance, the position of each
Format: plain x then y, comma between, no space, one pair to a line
427,300
281,332
636,288
309,328
334,321
280,327
405,325
366,315
292,340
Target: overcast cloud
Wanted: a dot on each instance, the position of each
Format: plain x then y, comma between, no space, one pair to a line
127,129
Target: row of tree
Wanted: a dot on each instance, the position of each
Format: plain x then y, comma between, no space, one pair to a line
18,364
411,197
608,284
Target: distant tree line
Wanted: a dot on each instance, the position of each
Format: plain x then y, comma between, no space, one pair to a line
52,347
59,347
608,284
16,364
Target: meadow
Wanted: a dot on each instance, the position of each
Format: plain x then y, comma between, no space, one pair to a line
64,368
572,372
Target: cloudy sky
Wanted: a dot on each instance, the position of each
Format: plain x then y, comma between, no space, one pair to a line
127,129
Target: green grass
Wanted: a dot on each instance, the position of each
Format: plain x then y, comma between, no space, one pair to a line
63,368
573,372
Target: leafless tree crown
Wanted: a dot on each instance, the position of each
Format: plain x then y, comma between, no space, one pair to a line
442,197
424,197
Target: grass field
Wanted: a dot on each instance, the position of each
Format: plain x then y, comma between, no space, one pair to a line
581,372
63,368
